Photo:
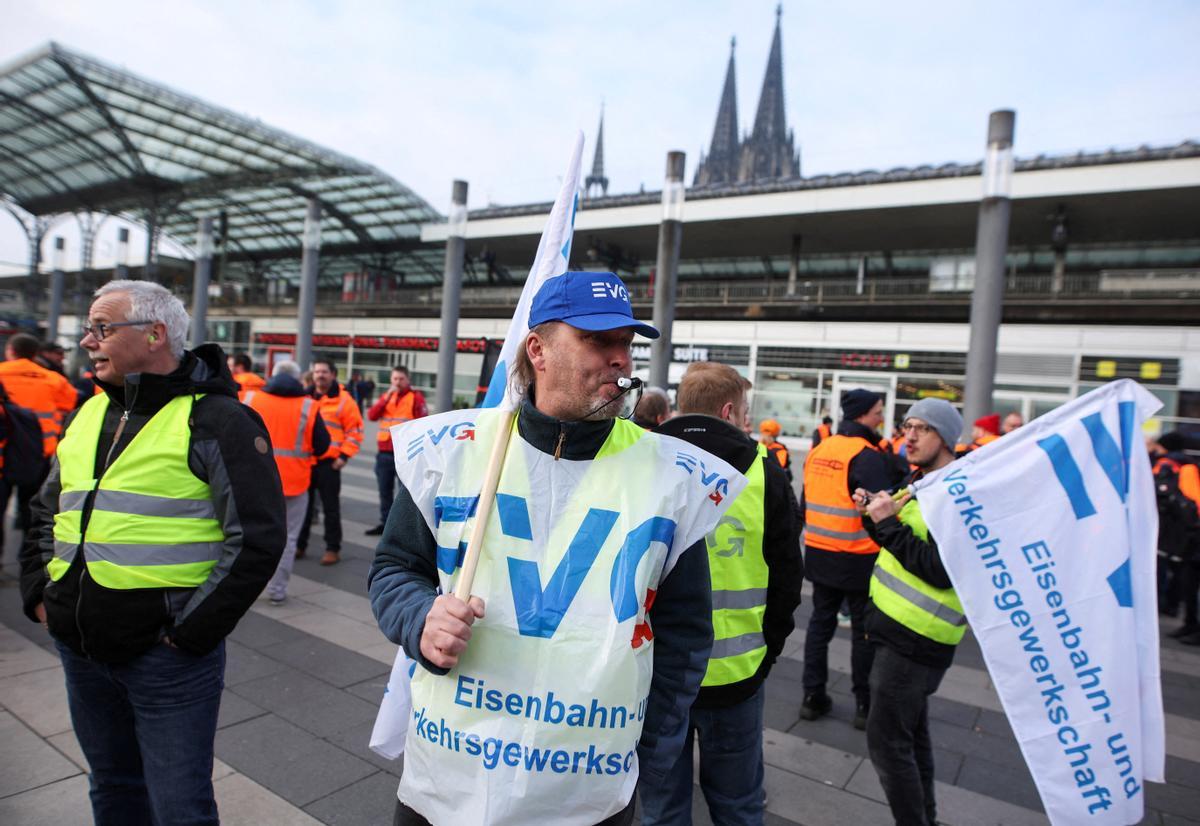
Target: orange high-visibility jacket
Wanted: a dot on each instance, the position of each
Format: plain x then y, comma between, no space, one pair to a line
344,423
395,411
247,382
290,421
831,519
780,452
1189,483
43,391
986,438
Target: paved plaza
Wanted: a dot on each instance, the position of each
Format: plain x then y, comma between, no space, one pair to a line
304,680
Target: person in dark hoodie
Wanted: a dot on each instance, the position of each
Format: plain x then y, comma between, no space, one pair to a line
838,553
298,435
756,570
159,524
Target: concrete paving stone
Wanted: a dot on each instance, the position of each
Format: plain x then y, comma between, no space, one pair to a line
816,804
291,607
806,758
1175,820
242,802
64,803
384,652
68,745
221,769
288,760
26,760
20,655
950,711
1184,726
310,703
326,661
337,629
354,606
370,690
1181,699
236,709
968,694
302,586
39,699
243,664
256,631
1170,798
351,574
788,668
357,742
836,734
1183,773
1179,745
370,800
1178,658
973,743
993,722
1011,783
956,806
946,765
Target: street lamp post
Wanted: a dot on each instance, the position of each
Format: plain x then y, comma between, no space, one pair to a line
991,249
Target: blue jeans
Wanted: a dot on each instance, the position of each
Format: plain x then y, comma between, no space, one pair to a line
731,769
898,735
147,728
385,477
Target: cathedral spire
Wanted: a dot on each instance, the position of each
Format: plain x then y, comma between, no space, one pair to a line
597,179
721,164
769,153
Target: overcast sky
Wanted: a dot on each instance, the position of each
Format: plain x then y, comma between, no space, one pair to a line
493,92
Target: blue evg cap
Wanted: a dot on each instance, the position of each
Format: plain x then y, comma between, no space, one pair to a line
586,301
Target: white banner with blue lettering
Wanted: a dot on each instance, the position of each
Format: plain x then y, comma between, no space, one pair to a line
1049,536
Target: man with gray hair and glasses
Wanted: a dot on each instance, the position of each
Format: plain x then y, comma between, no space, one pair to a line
160,522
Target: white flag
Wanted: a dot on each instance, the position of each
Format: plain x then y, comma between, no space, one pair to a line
1049,536
553,257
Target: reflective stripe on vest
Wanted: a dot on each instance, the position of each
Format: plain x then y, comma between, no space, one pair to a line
739,583
396,411
934,613
147,522
831,521
289,424
341,439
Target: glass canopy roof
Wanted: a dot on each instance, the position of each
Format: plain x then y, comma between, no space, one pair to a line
79,135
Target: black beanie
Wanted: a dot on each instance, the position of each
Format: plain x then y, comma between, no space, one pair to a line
857,402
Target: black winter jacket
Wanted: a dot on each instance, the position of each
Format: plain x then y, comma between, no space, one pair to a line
781,543
231,452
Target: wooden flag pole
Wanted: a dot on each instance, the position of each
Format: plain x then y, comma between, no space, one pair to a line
487,495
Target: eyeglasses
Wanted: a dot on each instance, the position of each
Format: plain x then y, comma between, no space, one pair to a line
917,428
99,330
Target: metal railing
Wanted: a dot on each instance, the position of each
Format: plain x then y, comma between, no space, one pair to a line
1102,286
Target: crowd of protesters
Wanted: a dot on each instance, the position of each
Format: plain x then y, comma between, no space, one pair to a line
234,496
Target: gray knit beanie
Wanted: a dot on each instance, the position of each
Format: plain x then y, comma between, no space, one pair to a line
941,416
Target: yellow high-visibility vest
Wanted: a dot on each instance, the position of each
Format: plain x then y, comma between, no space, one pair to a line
934,613
152,522
739,583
